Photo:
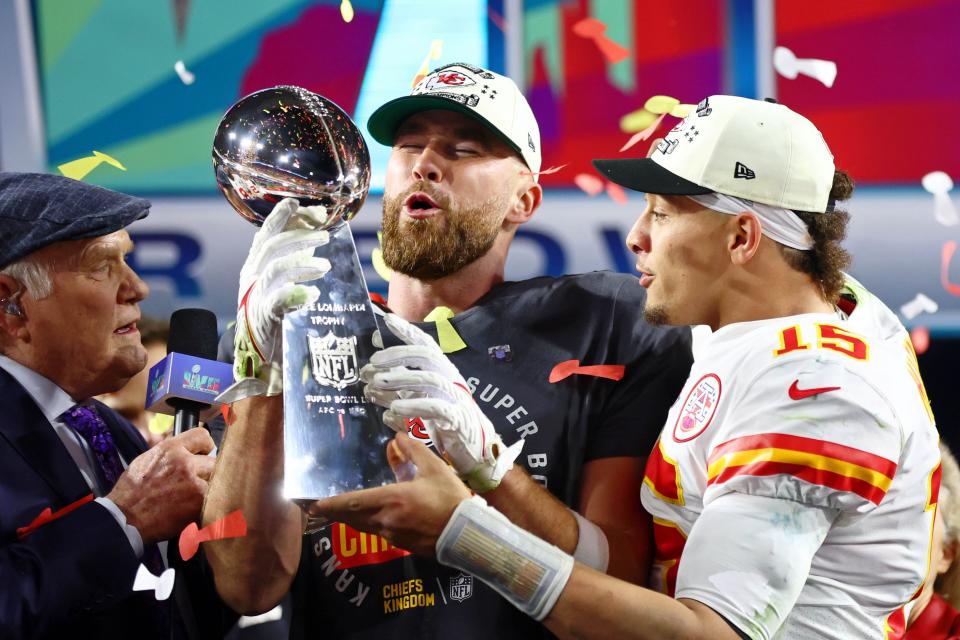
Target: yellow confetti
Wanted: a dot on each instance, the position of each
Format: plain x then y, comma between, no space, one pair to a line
660,104
636,121
450,341
682,110
160,423
79,168
346,11
436,50
376,256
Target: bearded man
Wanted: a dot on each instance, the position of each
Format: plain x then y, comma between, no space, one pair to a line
460,181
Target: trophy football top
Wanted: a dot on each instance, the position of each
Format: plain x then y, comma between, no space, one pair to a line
288,142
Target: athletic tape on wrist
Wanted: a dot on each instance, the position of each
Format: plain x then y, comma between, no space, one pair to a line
521,567
592,549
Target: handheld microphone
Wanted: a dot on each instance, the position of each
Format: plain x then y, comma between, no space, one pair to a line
186,382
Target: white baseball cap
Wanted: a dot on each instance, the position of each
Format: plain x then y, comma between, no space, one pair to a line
752,149
483,95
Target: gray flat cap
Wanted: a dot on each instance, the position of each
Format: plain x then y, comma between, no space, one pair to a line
38,209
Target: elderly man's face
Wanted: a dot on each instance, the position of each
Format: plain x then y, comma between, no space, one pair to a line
84,336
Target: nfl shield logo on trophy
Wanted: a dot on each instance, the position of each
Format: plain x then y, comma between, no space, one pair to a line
461,587
334,360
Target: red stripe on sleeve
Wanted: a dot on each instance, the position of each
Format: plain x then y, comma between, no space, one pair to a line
808,445
822,477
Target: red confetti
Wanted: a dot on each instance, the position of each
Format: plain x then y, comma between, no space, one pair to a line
595,30
589,28
949,248
591,185
233,525
343,433
643,135
612,51
545,172
616,193
568,368
920,337
47,515
227,412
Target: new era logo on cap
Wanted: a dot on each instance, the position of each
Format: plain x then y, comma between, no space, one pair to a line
494,100
743,171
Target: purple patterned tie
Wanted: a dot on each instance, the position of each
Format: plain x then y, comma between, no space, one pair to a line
91,427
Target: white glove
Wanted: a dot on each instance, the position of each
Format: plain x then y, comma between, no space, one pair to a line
417,380
280,258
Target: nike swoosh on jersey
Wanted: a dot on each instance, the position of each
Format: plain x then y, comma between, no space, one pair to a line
796,393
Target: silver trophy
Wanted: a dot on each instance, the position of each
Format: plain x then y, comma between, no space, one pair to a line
288,142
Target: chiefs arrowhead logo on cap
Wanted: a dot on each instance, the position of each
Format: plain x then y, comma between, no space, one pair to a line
449,79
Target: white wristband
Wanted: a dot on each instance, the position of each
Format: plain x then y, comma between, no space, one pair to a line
592,549
521,567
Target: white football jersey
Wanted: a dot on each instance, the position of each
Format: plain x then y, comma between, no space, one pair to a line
817,413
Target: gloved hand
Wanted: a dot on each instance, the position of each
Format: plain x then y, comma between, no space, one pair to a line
280,258
416,380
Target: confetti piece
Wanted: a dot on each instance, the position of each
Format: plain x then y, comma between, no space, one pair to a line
78,169
682,110
226,410
940,184
346,11
616,193
946,255
920,304
450,341
545,172
595,30
660,104
160,423
612,51
789,66
643,135
232,525
376,256
436,50
568,368
48,515
162,585
343,431
591,185
637,120
186,77
920,338
589,28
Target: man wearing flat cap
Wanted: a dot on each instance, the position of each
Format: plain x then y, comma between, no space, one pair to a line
83,503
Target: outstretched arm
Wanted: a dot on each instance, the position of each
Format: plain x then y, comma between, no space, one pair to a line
253,573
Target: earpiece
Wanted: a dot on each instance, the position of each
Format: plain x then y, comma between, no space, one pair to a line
11,305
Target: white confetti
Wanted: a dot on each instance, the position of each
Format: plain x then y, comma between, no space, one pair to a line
162,586
939,184
920,304
789,66
185,75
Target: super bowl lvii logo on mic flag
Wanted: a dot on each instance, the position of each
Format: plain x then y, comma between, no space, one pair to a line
288,142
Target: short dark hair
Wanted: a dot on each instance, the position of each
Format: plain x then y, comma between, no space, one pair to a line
825,262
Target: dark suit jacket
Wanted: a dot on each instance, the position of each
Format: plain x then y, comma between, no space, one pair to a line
73,577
